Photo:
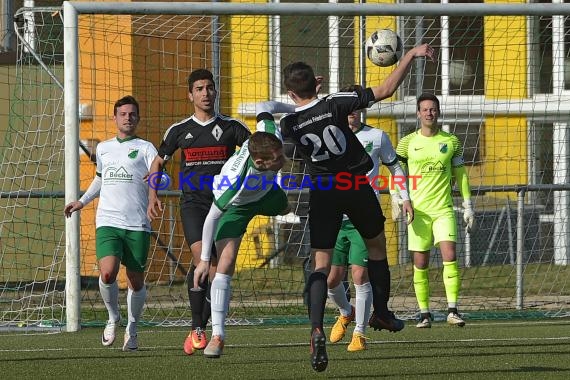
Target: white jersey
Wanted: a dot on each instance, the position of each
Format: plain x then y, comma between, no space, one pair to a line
123,166
239,182
378,146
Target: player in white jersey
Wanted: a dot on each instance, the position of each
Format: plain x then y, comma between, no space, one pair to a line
350,248
122,226
244,188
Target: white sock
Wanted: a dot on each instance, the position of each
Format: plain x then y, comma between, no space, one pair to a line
338,296
110,296
363,303
135,304
220,301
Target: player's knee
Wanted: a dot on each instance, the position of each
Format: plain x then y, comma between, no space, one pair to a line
108,277
360,275
136,280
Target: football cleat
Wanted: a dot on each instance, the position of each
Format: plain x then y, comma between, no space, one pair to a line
358,343
196,340
455,320
188,346
425,321
199,340
339,329
319,358
131,343
389,322
214,348
108,336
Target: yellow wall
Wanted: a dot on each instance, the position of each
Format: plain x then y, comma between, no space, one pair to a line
505,78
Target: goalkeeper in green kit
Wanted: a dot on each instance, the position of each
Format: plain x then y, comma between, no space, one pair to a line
436,158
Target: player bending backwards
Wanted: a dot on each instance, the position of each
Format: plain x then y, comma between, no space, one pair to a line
206,141
319,129
350,249
122,227
244,188
434,222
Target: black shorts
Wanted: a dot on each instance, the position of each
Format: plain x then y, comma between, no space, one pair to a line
326,208
193,216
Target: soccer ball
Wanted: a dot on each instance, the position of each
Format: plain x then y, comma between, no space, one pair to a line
384,47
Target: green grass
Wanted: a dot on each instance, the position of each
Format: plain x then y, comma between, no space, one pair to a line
482,350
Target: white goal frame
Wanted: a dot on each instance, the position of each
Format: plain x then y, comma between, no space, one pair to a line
72,10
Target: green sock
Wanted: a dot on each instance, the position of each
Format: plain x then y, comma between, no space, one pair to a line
452,282
421,286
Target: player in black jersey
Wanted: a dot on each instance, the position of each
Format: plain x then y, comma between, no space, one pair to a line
337,164
206,140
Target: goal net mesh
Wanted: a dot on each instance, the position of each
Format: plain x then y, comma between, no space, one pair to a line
503,92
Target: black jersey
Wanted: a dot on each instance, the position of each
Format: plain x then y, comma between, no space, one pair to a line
323,138
205,147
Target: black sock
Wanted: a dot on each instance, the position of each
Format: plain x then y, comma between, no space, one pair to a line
379,274
207,307
317,285
196,298
197,305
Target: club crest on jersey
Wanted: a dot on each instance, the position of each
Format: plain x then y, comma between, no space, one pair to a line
443,147
217,132
368,147
133,153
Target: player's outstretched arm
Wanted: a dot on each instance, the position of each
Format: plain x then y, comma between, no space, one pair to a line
91,193
393,81
71,207
399,196
210,225
154,208
272,107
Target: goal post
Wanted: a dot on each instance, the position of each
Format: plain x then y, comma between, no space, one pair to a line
501,77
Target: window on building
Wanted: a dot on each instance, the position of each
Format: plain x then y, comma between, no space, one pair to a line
327,44
460,59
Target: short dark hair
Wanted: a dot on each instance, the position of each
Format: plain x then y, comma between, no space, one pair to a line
262,144
126,100
300,78
197,75
428,96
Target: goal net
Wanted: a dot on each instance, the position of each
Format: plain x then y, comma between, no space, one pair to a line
502,75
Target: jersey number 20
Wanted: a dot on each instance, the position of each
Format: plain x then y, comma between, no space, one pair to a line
334,143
